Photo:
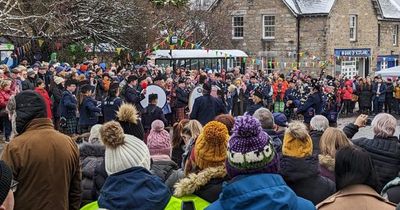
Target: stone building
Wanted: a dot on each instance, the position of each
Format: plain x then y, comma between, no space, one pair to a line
353,37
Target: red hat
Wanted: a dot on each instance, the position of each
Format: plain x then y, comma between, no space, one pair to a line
144,84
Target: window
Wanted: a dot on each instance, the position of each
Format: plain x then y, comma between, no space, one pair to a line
268,27
379,35
353,27
395,35
237,27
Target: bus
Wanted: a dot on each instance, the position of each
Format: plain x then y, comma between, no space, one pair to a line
214,60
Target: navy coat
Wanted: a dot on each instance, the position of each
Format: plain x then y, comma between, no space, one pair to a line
88,112
151,113
206,108
110,107
382,90
68,105
315,102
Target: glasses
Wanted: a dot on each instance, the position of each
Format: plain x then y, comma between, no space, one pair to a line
14,185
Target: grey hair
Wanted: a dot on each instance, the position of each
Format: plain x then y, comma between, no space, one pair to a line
384,125
265,117
319,123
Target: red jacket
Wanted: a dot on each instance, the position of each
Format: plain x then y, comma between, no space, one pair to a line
277,89
47,100
347,93
4,98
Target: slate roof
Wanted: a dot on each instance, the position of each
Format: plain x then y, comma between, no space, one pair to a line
390,9
310,7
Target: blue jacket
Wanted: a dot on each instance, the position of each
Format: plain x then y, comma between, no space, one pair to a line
68,105
134,188
89,112
382,91
206,108
110,107
259,191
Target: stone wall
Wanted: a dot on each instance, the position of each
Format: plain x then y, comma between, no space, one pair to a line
386,44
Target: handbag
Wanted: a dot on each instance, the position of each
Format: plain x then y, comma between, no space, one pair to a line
354,98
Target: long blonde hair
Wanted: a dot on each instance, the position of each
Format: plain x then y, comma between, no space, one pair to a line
332,140
193,128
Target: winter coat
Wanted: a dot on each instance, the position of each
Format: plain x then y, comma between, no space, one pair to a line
133,96
134,188
259,192
385,154
314,101
128,117
389,91
91,156
57,93
207,184
4,98
110,107
279,92
238,102
167,171
365,98
347,93
177,153
150,114
68,105
28,85
397,92
356,197
47,101
302,176
46,165
88,112
327,166
253,108
391,191
206,108
99,178
382,92
182,98
316,137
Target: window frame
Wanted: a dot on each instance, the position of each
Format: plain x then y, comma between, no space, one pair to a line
353,25
379,35
234,27
264,26
395,35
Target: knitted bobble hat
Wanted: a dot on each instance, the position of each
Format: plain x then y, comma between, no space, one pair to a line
297,142
159,142
250,150
122,151
211,145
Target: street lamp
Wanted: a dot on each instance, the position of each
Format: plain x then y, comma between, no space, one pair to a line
173,40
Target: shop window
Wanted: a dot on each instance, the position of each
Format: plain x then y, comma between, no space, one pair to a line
395,35
353,28
237,27
268,27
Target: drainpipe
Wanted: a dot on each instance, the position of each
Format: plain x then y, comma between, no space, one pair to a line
298,42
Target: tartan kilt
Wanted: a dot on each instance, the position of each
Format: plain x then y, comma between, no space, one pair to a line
180,114
70,127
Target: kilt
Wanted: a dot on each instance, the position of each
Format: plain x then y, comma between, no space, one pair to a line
180,114
70,126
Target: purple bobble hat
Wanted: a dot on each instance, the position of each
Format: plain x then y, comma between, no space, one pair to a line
250,150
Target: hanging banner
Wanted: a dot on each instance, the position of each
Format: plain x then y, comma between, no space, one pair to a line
40,41
118,49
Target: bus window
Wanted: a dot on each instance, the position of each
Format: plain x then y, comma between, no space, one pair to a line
201,63
194,64
207,63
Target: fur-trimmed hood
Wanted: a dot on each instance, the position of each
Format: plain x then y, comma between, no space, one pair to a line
194,182
128,113
327,161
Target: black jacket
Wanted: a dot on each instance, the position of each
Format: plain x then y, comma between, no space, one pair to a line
302,176
206,108
167,171
316,137
385,154
151,113
182,98
253,108
133,96
276,139
313,101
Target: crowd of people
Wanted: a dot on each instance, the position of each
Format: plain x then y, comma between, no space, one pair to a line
78,137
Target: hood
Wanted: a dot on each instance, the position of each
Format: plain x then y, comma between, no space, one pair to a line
315,133
327,161
134,188
295,169
163,168
93,150
128,113
259,191
194,182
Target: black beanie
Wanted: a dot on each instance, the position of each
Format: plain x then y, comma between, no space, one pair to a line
29,105
5,181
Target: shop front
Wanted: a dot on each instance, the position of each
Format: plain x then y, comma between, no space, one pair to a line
387,61
352,62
